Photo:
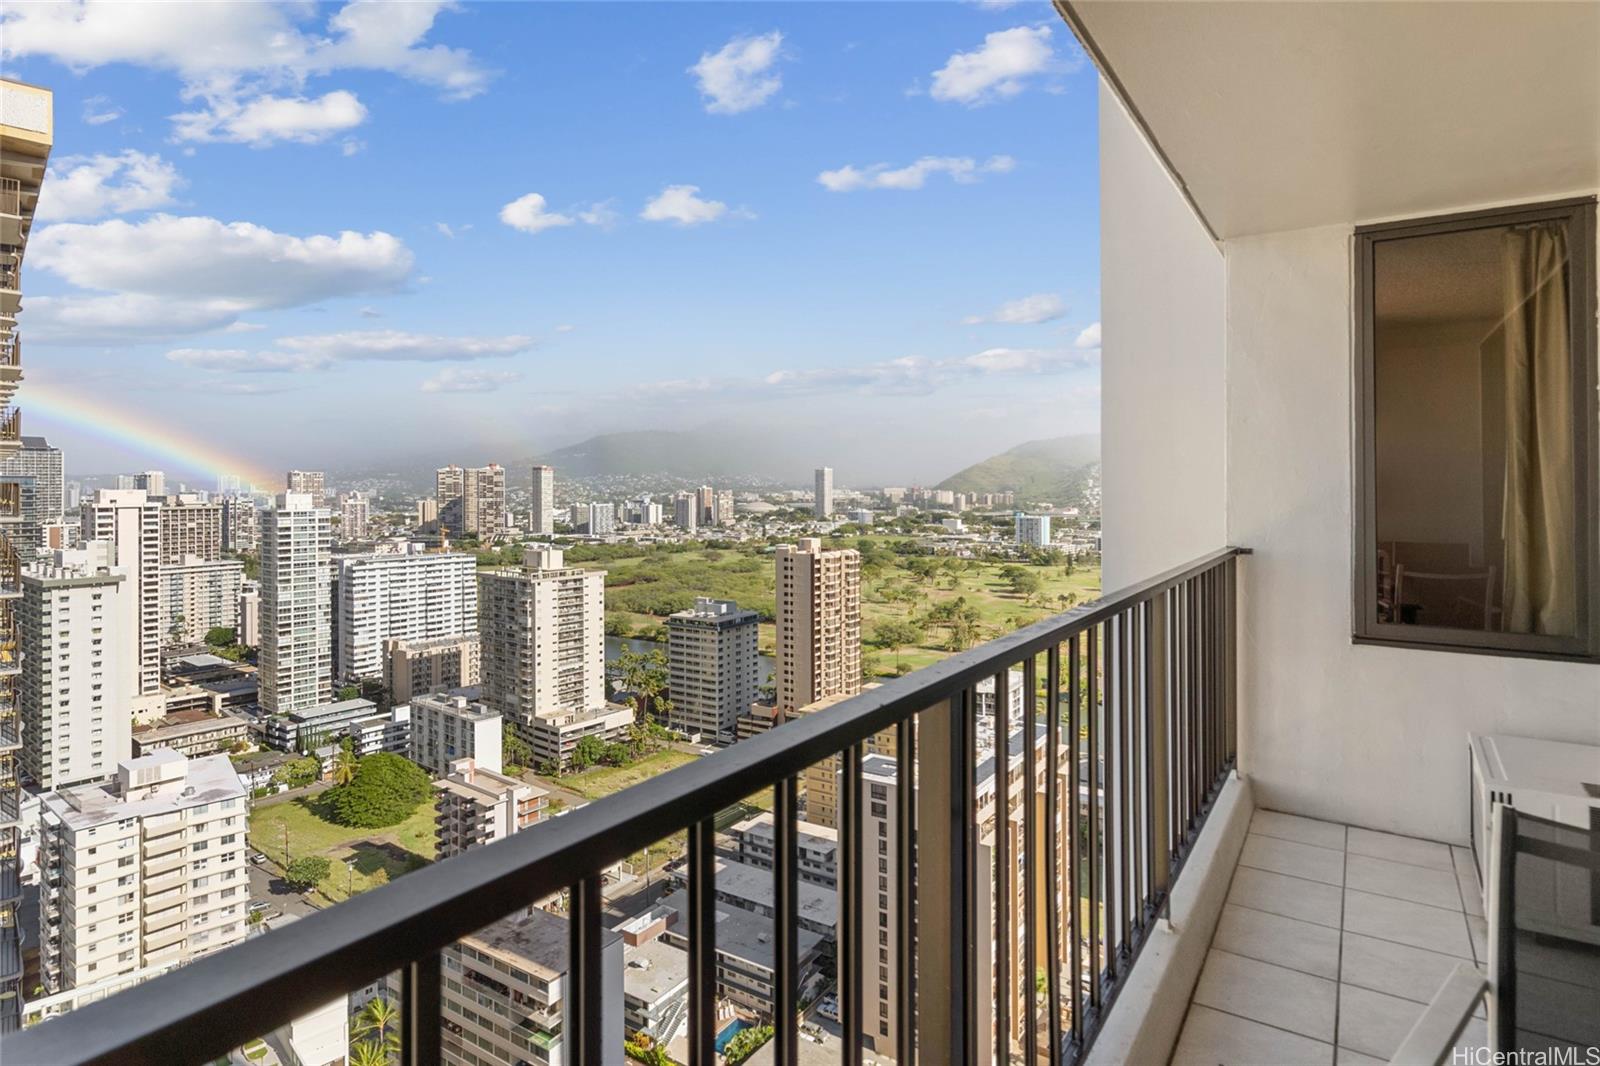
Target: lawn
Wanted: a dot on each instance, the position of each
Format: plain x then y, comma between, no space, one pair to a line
380,855
599,781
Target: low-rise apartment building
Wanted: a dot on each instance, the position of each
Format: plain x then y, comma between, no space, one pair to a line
445,728
307,729
191,734
553,737
479,806
413,668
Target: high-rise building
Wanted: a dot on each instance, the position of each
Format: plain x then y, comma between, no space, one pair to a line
353,511
449,482
822,496
37,460
249,633
199,595
517,968
228,484
146,870
483,502
413,668
427,511
478,806
296,660
1033,530
724,509
190,527
685,512
241,529
713,668
130,521
309,482
26,132
600,518
544,501
819,623
705,505
413,596
153,482
77,670
445,728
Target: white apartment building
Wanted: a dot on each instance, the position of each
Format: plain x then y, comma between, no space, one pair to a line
76,675
190,526
241,529
249,633
353,514
445,728
36,459
542,630
130,521
553,735
147,870
1033,530
427,511
414,668
685,513
411,596
309,482
544,501
819,623
483,501
600,518
479,806
197,595
822,492
296,659
724,508
713,668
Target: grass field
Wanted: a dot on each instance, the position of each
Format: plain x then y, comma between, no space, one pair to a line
641,591
380,855
598,781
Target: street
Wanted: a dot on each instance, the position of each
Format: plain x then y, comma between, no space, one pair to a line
265,884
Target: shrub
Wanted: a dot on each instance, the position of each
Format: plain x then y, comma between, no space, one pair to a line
386,790
306,871
745,1043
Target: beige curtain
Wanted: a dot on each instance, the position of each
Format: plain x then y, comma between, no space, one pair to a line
1540,594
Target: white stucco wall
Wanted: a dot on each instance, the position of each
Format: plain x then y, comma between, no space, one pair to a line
1161,372
1369,735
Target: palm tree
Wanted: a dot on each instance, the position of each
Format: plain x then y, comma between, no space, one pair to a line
345,763
369,1053
379,1019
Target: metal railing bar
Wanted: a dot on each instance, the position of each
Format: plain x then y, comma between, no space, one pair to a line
1075,848
702,944
786,934
420,1021
1093,863
585,980
852,907
1058,881
1003,894
906,891
1030,865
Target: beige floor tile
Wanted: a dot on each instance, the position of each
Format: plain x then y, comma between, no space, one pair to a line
1436,888
1373,1023
1394,969
1404,922
1302,946
1268,994
1301,830
1295,859
1292,897
1211,1038
1399,849
1345,1057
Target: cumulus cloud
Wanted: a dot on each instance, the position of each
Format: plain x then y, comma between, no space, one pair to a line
98,110
86,187
453,379
266,119
682,204
532,214
1001,67
1089,338
170,276
318,351
739,76
961,169
247,58
1028,311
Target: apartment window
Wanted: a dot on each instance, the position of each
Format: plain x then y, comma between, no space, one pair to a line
1477,420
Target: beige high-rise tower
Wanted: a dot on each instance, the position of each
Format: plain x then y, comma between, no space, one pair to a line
544,501
819,623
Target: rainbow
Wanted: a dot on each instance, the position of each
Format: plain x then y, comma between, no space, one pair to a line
143,435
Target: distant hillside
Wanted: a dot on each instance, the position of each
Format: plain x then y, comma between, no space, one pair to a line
692,454
1053,470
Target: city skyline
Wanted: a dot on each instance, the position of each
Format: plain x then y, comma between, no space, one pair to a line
468,217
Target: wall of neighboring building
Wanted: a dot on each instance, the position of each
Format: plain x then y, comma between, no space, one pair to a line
1161,368
1365,734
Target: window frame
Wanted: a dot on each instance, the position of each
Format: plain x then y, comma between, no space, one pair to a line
1584,646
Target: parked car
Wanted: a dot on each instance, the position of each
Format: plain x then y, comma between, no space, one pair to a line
260,905
828,1007
257,858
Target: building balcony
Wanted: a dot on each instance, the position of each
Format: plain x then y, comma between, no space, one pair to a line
167,938
166,844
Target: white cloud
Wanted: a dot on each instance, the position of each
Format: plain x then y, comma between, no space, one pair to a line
318,351
244,327
453,379
680,204
98,110
444,229
370,312
600,214
530,214
999,68
1089,338
1028,311
962,169
739,75
266,119
244,56
85,187
565,327
173,276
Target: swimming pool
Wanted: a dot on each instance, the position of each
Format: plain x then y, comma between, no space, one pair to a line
729,1031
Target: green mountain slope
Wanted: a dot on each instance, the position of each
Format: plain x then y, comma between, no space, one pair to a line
1054,470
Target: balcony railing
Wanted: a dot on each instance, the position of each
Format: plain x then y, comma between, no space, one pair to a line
1133,698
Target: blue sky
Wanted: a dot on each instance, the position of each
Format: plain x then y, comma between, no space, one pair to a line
325,236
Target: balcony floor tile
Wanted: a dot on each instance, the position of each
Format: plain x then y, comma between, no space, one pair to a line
1271,995
1302,946
1436,888
1292,897
1408,850
1211,1037
1404,922
1294,859
1301,830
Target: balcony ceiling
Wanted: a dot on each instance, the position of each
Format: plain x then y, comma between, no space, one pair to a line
1280,116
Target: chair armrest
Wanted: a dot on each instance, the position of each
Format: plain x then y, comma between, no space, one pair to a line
1430,1041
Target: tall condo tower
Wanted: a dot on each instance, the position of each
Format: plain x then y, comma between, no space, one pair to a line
296,662
544,500
822,500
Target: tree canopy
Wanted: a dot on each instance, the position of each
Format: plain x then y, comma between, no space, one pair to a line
385,790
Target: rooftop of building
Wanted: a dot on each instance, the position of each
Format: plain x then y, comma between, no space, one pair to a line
740,933
357,706
459,706
209,779
653,970
186,723
430,643
536,941
809,834
741,880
